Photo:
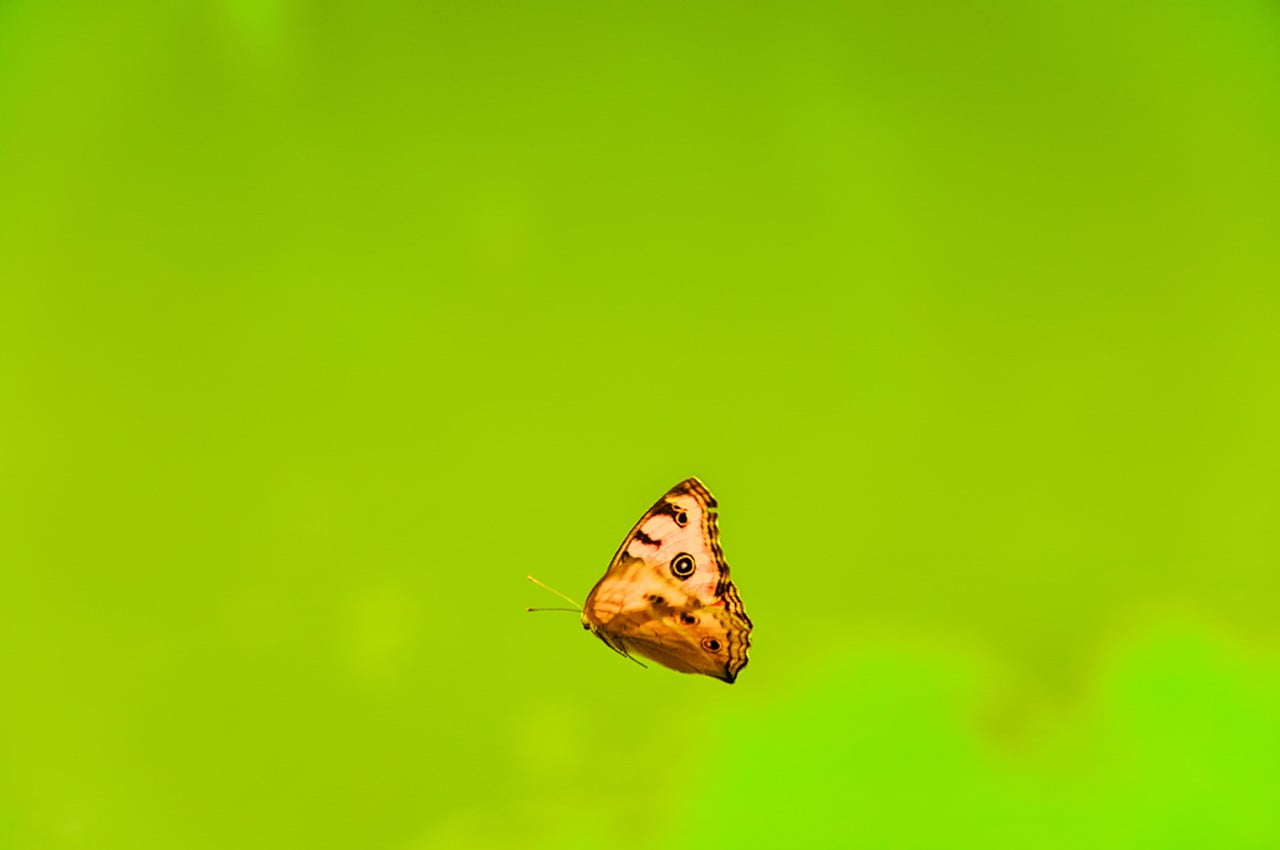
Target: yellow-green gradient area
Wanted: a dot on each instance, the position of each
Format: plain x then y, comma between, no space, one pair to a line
323,324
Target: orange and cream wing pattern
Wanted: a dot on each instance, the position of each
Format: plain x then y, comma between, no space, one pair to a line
667,594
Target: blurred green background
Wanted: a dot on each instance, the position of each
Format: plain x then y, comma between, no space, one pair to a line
323,324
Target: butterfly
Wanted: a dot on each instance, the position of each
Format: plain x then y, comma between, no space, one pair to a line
667,595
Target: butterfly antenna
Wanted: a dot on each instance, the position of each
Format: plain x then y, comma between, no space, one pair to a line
576,606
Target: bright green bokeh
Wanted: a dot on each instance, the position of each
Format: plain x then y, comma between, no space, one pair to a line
324,324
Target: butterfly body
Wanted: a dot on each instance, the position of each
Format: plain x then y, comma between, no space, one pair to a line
667,595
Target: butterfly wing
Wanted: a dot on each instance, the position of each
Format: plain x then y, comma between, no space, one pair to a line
667,594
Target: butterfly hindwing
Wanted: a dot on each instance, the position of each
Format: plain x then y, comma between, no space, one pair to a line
667,594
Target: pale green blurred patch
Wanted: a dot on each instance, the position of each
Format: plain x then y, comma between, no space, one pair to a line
259,22
322,325
1172,746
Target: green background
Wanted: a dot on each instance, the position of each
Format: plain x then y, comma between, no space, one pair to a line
324,324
